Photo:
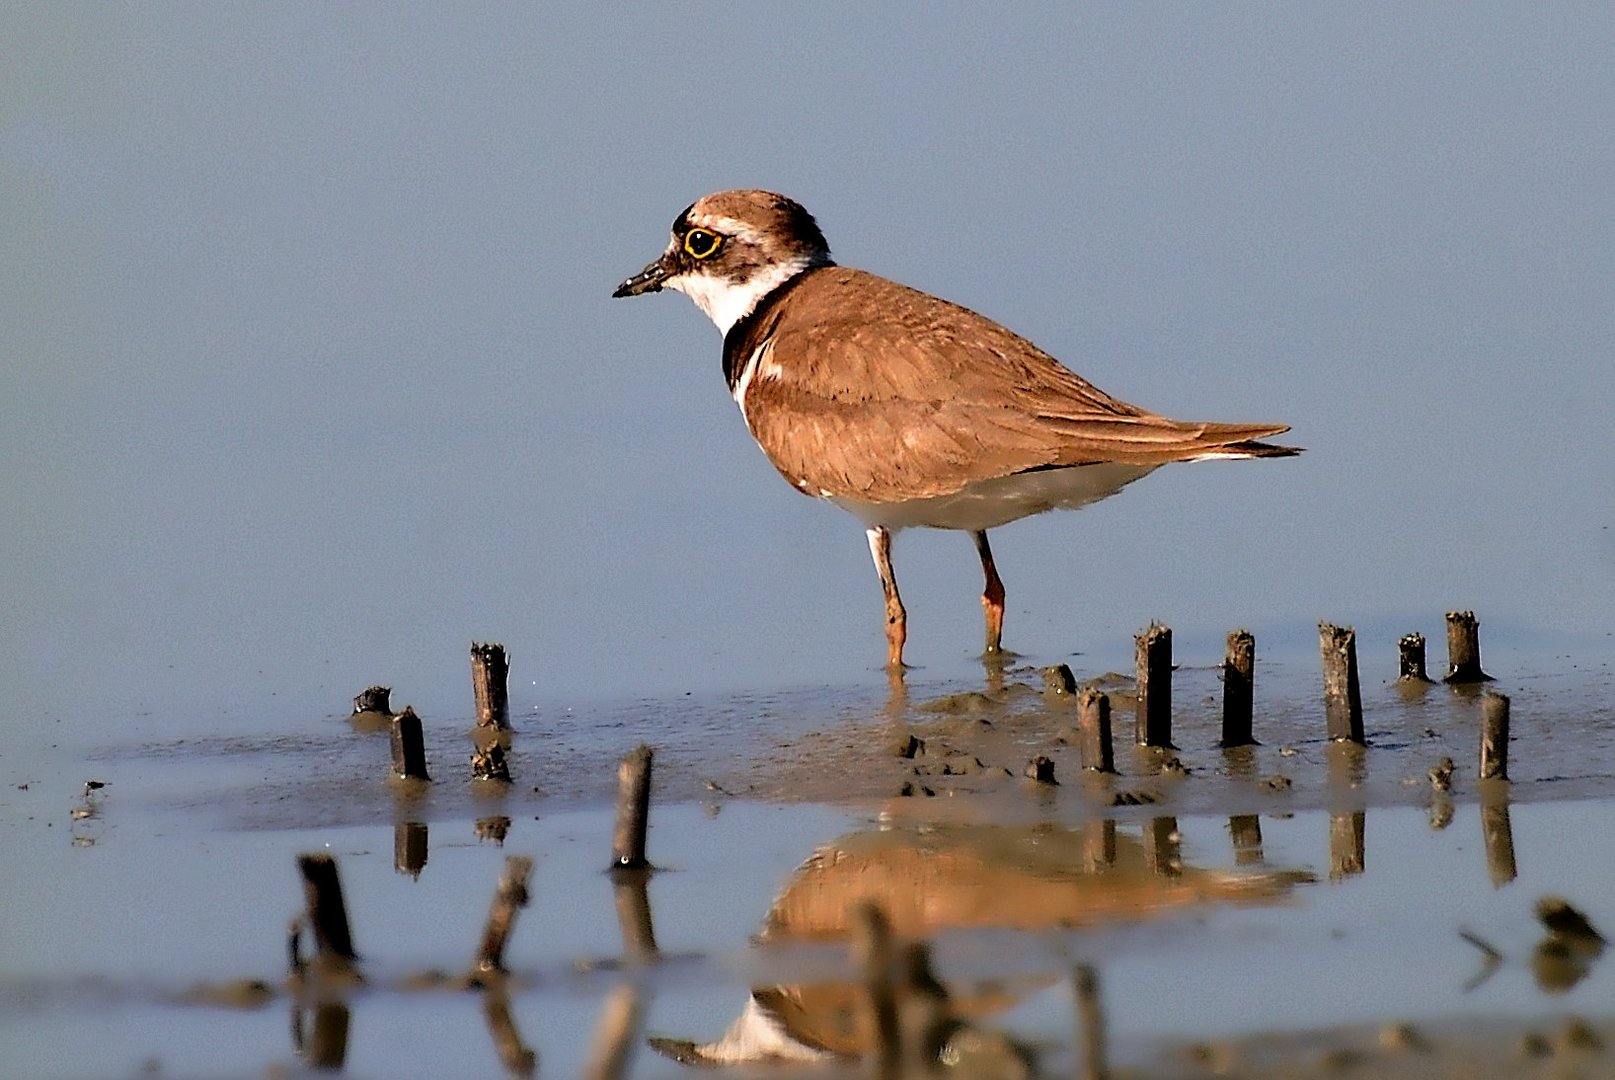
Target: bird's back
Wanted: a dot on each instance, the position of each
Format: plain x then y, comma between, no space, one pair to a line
861,388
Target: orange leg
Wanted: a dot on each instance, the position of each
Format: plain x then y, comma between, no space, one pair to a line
992,596
880,546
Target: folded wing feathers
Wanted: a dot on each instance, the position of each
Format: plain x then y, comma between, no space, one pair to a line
856,409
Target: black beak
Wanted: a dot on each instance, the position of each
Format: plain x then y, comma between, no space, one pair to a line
647,280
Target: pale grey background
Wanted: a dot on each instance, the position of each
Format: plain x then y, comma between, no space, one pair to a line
309,373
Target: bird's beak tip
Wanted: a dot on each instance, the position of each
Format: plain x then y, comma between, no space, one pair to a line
648,280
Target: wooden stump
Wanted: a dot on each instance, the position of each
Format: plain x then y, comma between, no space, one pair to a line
633,810
1342,697
376,699
1093,731
1058,681
490,685
1463,649
409,746
1153,653
1494,736
1238,689
1410,659
490,763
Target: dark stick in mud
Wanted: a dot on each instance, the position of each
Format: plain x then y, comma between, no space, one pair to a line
1093,730
875,953
633,810
409,746
490,685
1238,689
1410,659
1342,697
327,915
508,900
1153,652
1463,649
1494,736
1091,1019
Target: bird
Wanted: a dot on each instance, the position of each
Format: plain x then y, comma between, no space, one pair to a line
901,407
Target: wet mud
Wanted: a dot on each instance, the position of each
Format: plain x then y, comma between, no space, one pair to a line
1296,907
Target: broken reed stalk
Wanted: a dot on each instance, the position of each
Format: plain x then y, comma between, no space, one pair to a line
490,685
1463,649
508,899
1238,689
374,699
1342,697
633,810
1093,731
1091,1019
1410,659
409,746
1494,736
327,915
876,956
1153,653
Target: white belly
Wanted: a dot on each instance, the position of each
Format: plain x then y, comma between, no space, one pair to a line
991,503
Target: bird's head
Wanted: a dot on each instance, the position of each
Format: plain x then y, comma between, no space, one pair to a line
730,249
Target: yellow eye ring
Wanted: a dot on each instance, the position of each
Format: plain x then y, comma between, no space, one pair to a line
701,244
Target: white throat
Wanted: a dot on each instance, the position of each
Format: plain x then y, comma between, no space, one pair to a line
727,302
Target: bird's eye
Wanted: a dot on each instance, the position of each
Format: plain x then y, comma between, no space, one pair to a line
701,244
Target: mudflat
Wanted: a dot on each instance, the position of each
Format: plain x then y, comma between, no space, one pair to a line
1297,907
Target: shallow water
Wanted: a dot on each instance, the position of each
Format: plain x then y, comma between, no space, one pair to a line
1330,918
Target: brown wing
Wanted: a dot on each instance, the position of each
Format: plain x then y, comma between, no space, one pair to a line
873,391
